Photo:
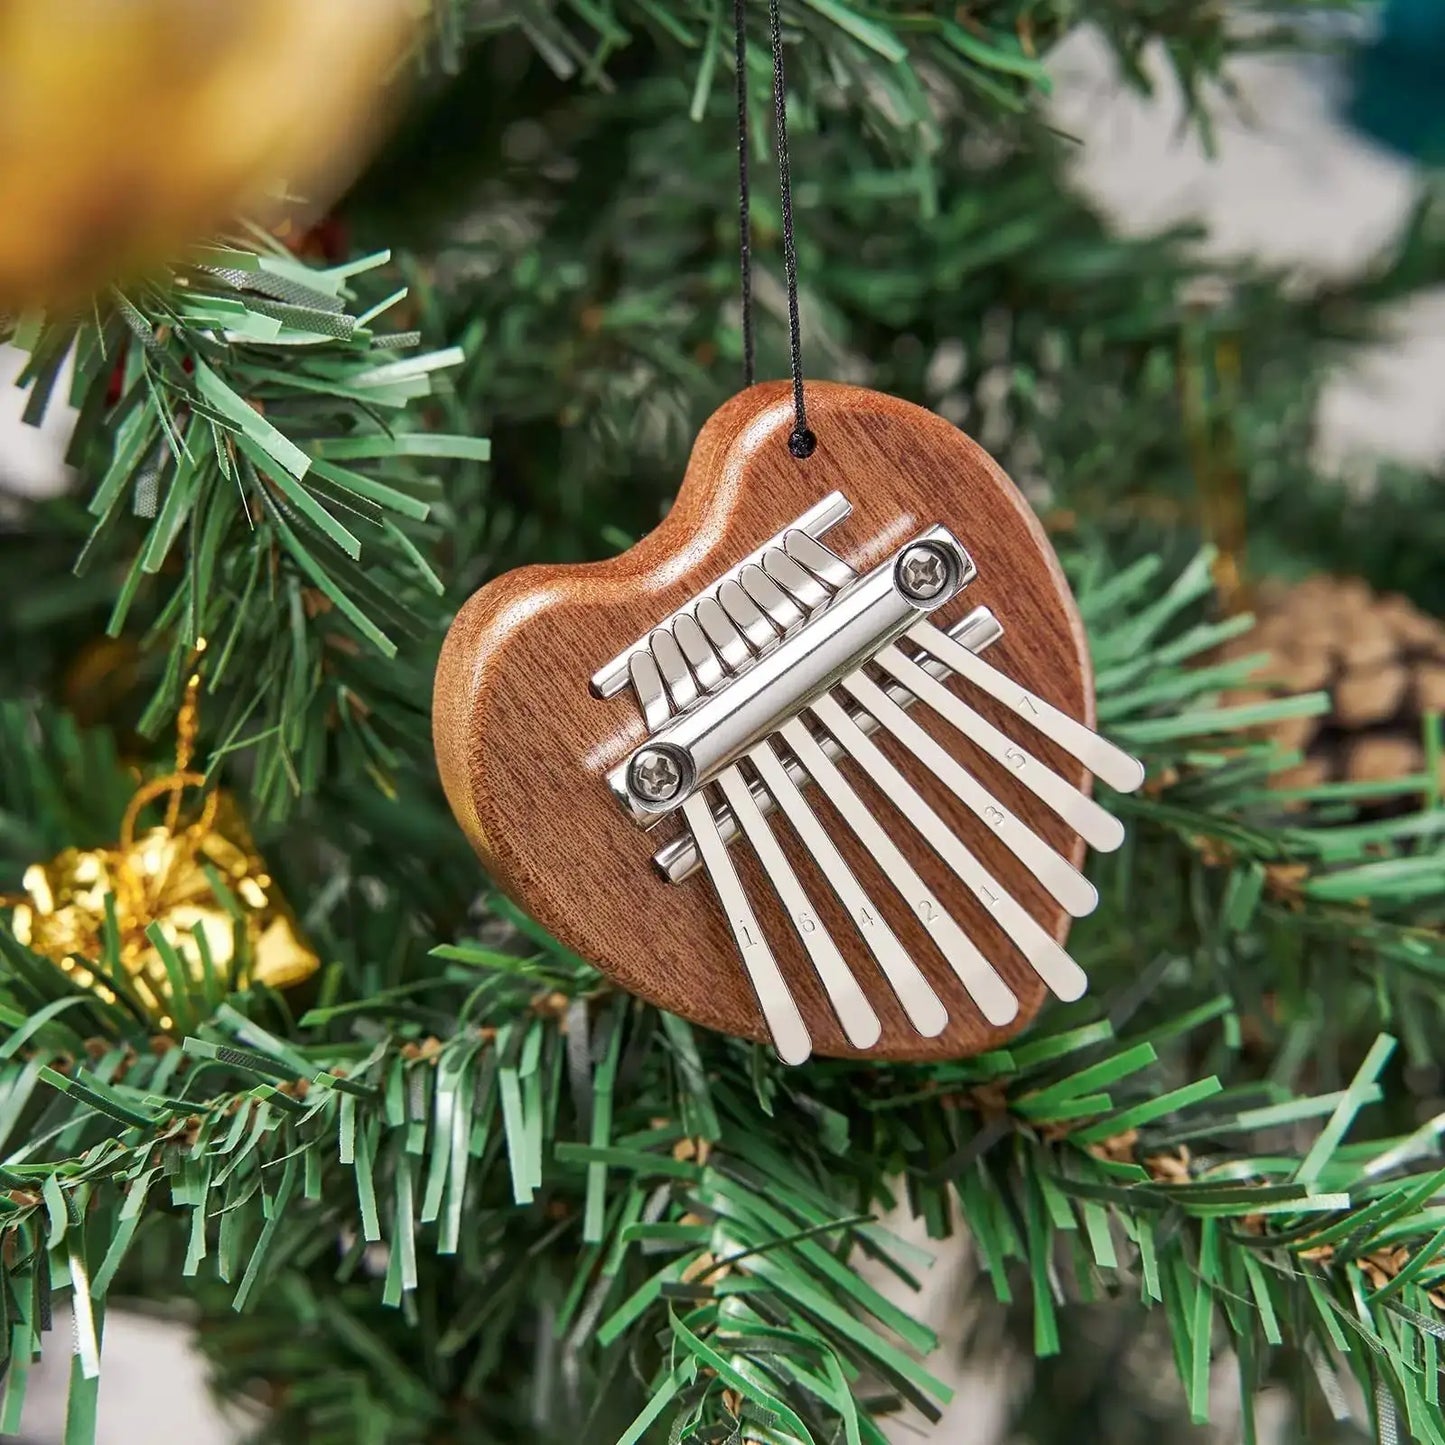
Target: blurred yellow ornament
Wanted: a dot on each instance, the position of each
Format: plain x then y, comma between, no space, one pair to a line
130,129
202,887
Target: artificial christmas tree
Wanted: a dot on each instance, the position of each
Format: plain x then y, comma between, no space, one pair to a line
455,1186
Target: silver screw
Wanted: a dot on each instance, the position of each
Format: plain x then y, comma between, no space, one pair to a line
655,775
922,572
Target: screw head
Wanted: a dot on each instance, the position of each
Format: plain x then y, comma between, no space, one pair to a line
655,775
923,572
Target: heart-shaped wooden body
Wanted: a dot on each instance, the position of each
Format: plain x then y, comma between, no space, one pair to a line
524,747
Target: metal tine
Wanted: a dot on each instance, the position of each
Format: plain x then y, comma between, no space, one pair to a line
612,676
922,1005
698,651
823,563
850,1003
914,992
1056,873
1099,755
805,589
1049,961
736,654
994,998
1098,827
775,998
777,606
647,684
748,616
676,674
780,1008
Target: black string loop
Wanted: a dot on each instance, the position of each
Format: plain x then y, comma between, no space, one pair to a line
801,441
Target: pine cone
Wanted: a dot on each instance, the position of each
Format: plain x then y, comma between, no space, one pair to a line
1381,659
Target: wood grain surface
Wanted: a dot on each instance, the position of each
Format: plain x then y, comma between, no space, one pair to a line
524,748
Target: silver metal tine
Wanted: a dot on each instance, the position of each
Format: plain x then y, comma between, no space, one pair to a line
850,1003
995,1000
825,565
1100,756
914,992
676,674
780,1009
748,616
1049,961
924,1009
723,635
647,684
781,610
1098,827
1056,873
611,677
699,654
805,589
775,998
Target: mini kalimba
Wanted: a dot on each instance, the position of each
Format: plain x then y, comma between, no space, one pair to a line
797,802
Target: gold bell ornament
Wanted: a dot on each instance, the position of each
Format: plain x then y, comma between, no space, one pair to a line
169,907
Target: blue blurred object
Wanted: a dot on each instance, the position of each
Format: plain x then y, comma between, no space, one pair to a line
1399,81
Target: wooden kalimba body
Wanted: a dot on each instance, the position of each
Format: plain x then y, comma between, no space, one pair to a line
797,802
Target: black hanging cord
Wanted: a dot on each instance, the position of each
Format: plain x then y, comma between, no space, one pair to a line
745,247
801,441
